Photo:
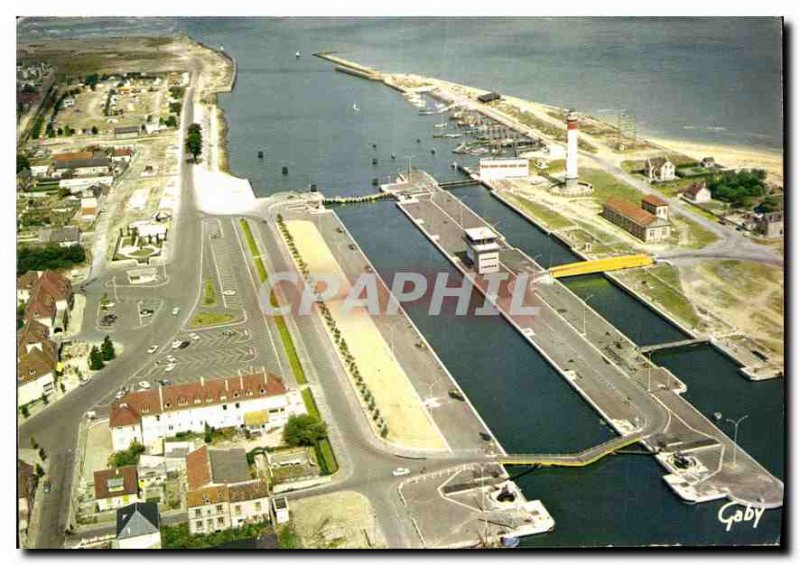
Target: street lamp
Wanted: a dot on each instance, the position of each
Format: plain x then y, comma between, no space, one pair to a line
585,308
736,433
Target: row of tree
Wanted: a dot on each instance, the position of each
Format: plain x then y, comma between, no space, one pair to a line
344,350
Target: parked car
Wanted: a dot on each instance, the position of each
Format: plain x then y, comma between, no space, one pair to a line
194,337
176,344
184,345
229,333
401,472
144,385
455,393
91,415
229,293
169,368
119,394
152,349
47,487
175,311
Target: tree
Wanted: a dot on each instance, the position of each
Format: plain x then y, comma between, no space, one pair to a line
171,122
39,471
194,140
22,162
95,359
304,430
107,349
95,130
128,457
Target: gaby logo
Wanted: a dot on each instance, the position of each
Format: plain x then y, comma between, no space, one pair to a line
729,515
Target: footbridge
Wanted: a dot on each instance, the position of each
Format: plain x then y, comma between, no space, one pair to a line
673,344
601,265
580,459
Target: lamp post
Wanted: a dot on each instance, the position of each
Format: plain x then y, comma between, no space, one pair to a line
736,433
585,308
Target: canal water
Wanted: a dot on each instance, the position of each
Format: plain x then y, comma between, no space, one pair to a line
301,114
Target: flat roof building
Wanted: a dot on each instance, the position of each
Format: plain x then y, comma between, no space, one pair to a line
483,250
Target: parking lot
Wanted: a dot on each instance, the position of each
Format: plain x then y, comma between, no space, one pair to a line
243,343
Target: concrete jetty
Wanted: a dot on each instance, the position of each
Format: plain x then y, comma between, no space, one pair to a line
599,362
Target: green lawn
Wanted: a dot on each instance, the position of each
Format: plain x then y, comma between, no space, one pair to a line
606,186
541,214
662,284
207,319
209,296
248,235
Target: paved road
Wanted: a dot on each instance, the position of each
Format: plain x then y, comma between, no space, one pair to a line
56,427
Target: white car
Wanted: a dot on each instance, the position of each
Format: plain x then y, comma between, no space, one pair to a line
176,344
229,293
152,349
144,385
175,311
400,472
169,367
194,337
120,394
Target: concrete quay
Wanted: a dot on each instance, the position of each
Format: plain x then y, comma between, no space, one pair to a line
457,420
601,364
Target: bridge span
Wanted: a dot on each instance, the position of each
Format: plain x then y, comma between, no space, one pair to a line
601,265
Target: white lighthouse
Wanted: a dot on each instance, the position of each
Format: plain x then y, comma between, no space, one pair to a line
571,176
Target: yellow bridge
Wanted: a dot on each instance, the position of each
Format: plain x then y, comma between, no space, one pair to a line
581,459
601,265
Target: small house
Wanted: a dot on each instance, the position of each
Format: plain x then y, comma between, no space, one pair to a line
659,169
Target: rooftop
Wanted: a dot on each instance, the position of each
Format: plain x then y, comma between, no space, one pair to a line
137,519
481,233
632,212
131,407
115,482
654,200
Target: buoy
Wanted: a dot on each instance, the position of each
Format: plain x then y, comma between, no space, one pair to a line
313,187
418,141
285,170
374,145
374,161
392,155
375,182
260,154
433,151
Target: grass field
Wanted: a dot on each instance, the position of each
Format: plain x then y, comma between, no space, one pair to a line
606,186
542,214
207,319
663,286
209,296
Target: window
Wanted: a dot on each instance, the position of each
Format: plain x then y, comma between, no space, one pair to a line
237,405
258,507
198,525
220,520
196,512
219,507
224,406
238,509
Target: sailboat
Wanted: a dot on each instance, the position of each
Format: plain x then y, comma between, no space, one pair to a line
297,54
355,107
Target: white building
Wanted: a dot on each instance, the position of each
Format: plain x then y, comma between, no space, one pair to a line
659,169
77,184
698,193
280,507
483,250
510,168
153,415
138,527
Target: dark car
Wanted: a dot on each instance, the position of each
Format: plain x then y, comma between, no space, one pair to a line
455,393
183,345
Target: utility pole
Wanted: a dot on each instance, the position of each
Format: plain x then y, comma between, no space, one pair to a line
736,433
